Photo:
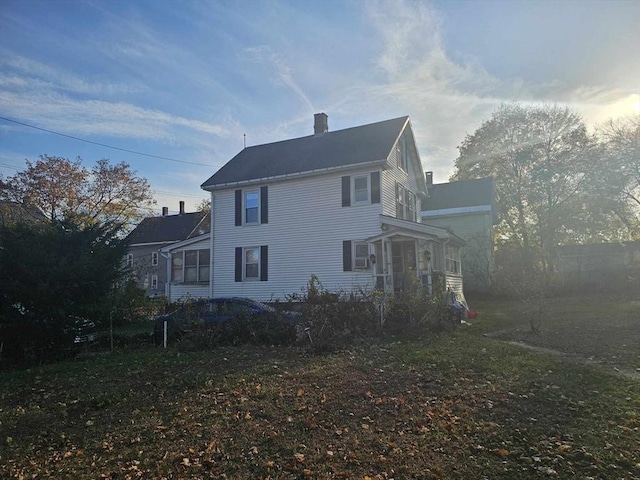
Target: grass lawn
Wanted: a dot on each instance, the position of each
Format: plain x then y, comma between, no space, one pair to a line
459,405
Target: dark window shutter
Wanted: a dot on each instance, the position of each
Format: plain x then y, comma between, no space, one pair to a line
238,208
264,263
346,191
264,205
238,264
375,187
346,256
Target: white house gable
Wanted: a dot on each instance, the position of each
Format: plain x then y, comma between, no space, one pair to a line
403,183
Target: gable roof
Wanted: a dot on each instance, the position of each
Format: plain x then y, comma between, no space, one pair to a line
170,228
464,193
11,211
340,148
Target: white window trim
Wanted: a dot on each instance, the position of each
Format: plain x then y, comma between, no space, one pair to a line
154,282
367,264
244,265
244,206
366,176
154,259
130,260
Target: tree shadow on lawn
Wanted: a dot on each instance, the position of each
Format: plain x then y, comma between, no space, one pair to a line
596,329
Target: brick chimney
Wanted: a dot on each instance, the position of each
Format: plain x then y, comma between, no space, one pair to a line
429,178
165,211
320,123
181,207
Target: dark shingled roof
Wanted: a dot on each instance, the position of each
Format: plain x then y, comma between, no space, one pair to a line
465,193
170,228
350,146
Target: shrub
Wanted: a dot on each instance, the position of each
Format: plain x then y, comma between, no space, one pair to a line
239,331
336,319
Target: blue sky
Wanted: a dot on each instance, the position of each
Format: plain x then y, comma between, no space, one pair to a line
187,79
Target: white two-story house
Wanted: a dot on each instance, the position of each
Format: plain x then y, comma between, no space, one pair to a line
343,206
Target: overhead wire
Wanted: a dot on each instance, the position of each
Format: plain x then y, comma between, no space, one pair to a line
104,144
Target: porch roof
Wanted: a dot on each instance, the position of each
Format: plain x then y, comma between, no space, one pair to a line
393,227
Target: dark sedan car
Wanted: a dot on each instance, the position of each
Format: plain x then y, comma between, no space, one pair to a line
217,311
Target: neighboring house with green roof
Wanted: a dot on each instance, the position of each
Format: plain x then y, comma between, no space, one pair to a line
467,209
146,241
343,206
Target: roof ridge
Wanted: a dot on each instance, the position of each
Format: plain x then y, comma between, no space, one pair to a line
325,134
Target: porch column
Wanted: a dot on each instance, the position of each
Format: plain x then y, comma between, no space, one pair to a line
416,249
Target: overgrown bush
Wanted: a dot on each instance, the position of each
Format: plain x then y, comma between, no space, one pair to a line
238,331
418,311
130,304
336,319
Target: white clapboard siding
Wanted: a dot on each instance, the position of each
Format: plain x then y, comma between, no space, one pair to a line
185,291
393,174
307,225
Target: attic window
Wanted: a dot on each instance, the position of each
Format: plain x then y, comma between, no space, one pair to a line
402,154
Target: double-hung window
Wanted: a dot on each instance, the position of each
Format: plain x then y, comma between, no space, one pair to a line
405,203
452,259
154,282
400,200
411,206
154,259
251,270
252,207
252,264
130,260
355,256
361,189
361,256
402,154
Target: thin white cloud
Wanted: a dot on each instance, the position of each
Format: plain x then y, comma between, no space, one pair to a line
283,72
96,117
21,72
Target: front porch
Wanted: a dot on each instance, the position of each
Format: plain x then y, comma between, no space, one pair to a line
407,254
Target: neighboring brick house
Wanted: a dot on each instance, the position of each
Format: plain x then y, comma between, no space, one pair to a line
467,209
147,262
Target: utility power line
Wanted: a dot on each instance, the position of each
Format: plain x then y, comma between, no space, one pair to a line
103,144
